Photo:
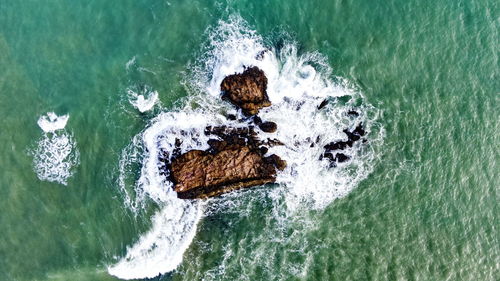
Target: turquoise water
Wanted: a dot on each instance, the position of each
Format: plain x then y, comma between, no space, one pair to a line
426,208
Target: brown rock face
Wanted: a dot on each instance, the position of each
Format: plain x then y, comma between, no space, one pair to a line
247,90
199,174
232,163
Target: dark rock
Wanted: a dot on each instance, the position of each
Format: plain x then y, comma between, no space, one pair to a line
177,148
323,104
339,145
359,130
272,142
341,157
247,90
256,120
231,117
263,150
261,54
338,158
353,113
352,137
268,127
276,161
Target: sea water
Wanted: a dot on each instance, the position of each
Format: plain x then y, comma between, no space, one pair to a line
91,91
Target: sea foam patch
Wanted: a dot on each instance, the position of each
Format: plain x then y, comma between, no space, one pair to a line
51,122
55,154
297,85
144,101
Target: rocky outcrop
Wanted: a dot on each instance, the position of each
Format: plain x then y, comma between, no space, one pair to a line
235,160
236,157
247,90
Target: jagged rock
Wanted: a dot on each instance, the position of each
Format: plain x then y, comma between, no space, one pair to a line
352,137
235,160
246,90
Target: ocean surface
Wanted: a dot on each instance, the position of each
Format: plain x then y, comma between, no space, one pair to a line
92,91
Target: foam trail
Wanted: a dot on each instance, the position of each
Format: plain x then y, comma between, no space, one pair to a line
51,122
55,154
160,250
297,84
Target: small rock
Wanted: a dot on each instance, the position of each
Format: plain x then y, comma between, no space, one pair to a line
323,104
353,113
268,127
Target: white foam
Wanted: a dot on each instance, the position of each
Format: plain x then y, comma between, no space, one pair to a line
51,122
160,250
55,156
297,84
143,102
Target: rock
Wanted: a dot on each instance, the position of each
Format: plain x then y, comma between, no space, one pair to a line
268,127
359,130
323,104
231,117
276,161
352,137
177,150
338,158
341,157
353,113
261,54
235,160
200,174
256,120
247,90
263,150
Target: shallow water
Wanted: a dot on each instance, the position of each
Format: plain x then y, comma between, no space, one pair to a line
419,202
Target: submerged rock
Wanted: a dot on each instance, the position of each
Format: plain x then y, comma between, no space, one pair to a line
247,90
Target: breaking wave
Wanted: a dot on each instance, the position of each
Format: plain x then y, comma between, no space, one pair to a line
297,85
143,102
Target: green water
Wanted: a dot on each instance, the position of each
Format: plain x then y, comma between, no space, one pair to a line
428,211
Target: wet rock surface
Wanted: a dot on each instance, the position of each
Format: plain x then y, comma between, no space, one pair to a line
247,90
234,160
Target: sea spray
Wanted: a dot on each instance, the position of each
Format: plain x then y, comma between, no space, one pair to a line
297,85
